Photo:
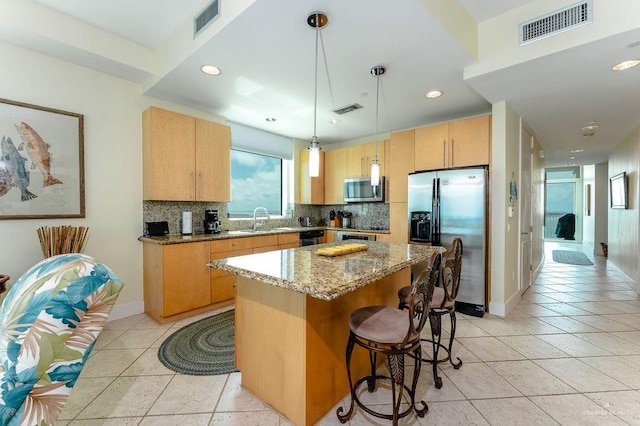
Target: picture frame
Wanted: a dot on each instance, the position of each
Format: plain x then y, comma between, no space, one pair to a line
41,162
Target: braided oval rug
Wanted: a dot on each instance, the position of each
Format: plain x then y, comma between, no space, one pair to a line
203,348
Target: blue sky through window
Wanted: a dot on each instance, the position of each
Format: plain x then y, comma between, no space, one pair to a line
256,181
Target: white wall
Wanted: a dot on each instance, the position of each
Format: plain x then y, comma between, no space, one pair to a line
601,207
112,110
588,211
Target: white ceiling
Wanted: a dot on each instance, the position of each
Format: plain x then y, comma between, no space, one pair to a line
266,54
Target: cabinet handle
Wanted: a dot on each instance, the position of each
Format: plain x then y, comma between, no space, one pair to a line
444,153
193,186
452,149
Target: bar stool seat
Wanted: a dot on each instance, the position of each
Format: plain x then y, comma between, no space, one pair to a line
394,333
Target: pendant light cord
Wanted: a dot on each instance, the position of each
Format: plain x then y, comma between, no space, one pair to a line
375,154
315,95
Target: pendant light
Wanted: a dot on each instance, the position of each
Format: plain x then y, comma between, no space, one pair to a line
376,71
317,20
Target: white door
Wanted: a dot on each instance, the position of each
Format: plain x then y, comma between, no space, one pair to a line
526,166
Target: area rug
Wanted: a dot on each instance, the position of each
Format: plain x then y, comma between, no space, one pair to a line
571,257
203,348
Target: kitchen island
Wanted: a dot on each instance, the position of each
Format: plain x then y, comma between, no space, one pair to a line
292,309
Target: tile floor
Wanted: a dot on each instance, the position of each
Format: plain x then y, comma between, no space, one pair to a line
568,354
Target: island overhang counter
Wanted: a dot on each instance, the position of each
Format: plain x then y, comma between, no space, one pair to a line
291,319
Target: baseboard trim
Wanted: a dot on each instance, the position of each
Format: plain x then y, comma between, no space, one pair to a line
126,310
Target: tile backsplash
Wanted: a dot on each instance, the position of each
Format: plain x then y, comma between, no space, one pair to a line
365,215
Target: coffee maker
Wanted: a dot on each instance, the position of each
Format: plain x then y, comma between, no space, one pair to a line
211,222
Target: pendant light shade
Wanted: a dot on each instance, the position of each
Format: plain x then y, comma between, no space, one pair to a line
376,71
317,20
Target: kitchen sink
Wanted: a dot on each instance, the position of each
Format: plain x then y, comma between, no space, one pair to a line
249,231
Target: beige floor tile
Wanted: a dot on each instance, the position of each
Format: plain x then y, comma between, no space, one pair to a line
625,307
616,367
253,418
565,309
477,380
529,378
490,349
126,397
124,323
201,419
540,297
602,323
632,320
615,345
452,413
631,336
575,410
532,347
469,329
184,394
635,359
500,327
595,308
570,325
577,296
84,391
427,391
535,325
579,375
536,310
107,336
119,421
512,412
147,364
623,404
110,363
573,345
236,398
136,338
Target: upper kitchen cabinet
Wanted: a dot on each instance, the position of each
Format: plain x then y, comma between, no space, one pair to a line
310,189
359,158
455,144
399,165
335,172
185,158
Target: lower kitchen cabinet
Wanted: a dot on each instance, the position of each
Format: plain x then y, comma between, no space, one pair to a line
287,241
331,236
176,279
223,283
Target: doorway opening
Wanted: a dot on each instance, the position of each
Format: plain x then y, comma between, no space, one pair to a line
563,203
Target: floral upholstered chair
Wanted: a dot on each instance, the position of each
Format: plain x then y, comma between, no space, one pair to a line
49,322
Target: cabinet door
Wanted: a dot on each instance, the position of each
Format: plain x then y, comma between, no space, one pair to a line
335,172
168,140
355,161
399,226
400,163
223,283
470,141
310,190
186,277
331,236
431,147
213,161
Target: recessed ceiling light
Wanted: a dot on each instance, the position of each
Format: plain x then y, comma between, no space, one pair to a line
270,120
572,158
335,121
210,70
576,151
434,94
625,65
590,127
635,43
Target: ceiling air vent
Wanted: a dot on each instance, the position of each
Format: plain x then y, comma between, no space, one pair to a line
206,16
347,109
556,22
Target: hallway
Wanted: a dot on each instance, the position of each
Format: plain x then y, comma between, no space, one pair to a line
568,354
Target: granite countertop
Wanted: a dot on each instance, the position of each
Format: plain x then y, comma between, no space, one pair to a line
244,233
326,278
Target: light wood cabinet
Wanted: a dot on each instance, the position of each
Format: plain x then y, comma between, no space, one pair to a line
335,172
400,164
331,236
360,157
455,144
310,189
399,223
184,158
223,283
287,241
176,279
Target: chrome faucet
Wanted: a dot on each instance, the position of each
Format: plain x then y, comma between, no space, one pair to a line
266,217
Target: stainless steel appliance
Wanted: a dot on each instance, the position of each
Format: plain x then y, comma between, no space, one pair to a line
360,190
211,222
305,221
420,226
457,202
342,236
347,219
310,238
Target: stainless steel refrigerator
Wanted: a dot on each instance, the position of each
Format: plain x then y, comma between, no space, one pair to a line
453,203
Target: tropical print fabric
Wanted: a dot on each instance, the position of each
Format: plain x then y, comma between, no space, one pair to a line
49,322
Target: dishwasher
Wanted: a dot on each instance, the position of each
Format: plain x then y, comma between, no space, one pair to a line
309,238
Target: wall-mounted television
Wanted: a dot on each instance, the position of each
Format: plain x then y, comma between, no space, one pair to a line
618,191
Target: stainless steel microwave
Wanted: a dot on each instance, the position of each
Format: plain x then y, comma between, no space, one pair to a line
360,190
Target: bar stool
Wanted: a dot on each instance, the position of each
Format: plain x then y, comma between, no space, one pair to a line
443,302
394,333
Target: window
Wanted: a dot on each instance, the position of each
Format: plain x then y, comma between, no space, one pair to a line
258,181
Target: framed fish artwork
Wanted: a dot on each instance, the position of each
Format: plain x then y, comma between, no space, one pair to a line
41,162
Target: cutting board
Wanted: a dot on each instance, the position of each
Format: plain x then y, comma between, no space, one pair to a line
341,249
